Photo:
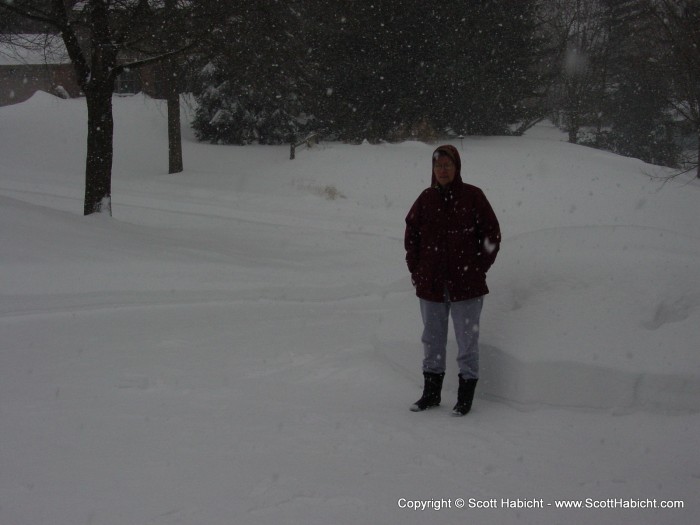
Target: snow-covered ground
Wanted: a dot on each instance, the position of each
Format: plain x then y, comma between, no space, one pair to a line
240,343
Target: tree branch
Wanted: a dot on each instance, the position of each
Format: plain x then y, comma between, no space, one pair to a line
154,59
28,12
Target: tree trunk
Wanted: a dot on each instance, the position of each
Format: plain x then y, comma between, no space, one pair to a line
100,151
174,135
171,72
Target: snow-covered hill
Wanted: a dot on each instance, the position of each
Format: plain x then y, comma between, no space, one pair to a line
240,343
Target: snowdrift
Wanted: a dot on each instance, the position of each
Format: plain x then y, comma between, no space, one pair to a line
242,339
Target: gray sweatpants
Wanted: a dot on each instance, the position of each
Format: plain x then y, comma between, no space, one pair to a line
465,320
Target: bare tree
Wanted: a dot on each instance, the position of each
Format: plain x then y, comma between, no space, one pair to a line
678,23
103,38
170,74
577,30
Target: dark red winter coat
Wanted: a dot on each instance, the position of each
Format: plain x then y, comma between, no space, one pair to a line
452,238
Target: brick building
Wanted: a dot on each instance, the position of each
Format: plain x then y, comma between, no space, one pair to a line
41,63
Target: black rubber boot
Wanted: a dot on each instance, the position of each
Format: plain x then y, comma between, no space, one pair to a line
465,396
431,392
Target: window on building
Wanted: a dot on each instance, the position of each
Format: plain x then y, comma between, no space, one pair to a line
128,82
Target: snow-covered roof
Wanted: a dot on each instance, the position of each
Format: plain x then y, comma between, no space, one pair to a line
29,49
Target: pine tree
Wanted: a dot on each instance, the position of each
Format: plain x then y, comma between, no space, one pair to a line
252,86
395,69
635,117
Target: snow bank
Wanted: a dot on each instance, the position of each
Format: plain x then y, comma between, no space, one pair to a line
241,341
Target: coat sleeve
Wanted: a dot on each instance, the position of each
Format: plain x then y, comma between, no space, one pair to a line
489,232
412,237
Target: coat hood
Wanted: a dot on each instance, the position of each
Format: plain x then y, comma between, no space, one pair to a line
453,154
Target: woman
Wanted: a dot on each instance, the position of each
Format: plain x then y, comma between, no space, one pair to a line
452,238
